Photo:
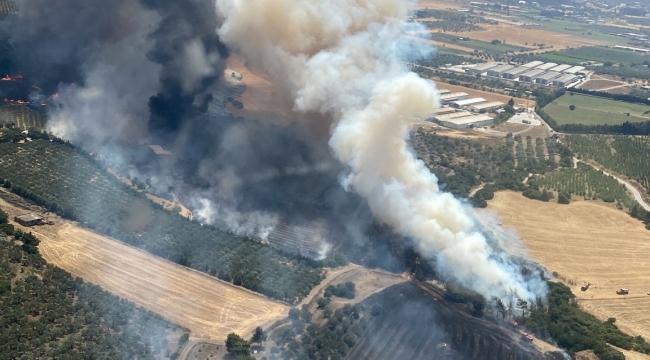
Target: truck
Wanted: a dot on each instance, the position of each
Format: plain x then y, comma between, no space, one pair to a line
584,287
622,291
527,337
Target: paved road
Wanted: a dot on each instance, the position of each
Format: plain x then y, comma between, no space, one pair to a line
630,188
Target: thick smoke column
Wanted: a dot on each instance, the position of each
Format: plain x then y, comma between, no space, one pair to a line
345,58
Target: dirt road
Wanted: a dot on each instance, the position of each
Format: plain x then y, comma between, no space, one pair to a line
636,193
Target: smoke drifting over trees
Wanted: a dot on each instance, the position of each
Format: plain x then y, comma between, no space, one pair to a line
149,72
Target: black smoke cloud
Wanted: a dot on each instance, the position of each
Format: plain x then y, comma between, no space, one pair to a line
131,73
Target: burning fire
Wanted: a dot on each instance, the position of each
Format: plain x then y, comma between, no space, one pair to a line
18,76
21,102
6,78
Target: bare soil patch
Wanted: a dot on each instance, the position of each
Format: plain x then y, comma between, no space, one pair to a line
262,101
599,84
592,242
209,307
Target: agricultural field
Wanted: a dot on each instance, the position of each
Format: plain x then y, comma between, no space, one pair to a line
48,313
595,53
66,182
626,155
586,182
590,110
24,117
481,45
587,242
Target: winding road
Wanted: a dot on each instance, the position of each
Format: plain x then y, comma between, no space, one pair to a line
630,188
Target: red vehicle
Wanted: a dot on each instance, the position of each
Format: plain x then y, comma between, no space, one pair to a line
527,337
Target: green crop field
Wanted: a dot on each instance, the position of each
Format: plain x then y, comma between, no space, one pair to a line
591,110
587,31
595,53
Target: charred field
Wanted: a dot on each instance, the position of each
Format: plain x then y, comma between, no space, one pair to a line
417,323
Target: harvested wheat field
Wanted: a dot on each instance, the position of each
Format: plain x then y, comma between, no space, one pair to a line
588,242
527,36
210,308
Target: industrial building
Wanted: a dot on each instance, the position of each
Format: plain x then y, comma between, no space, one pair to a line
533,64
497,71
29,220
468,122
439,112
530,75
453,97
560,68
485,107
514,73
454,115
461,104
573,70
481,68
546,77
546,66
564,80
444,91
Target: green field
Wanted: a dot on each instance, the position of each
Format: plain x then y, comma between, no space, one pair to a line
595,53
592,110
483,46
587,31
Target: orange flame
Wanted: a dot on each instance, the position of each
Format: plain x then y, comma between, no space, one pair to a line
6,78
55,96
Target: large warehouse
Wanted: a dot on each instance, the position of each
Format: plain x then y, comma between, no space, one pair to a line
453,97
481,68
530,75
564,80
485,107
514,73
468,122
533,64
497,71
461,104
546,77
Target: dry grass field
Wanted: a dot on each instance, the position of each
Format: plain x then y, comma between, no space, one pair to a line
527,36
210,308
592,242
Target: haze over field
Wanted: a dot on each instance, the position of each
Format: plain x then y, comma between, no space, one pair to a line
151,71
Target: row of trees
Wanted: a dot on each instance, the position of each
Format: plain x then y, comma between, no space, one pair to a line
64,180
46,313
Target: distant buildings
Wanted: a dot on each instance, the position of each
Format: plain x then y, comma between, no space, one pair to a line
534,72
468,122
29,220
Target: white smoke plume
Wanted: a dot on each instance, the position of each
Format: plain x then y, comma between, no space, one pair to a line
345,58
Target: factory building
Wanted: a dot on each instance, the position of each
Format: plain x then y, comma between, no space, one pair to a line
514,73
454,115
560,68
533,64
485,107
444,91
481,68
439,112
564,80
546,78
497,71
468,122
546,66
530,75
573,70
461,104
453,97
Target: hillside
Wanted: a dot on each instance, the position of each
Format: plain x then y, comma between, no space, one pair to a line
47,313
68,183
415,324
